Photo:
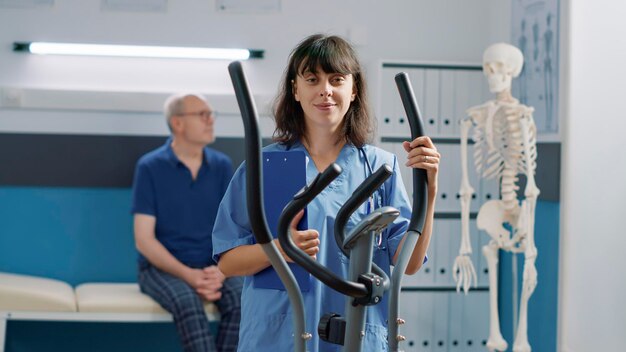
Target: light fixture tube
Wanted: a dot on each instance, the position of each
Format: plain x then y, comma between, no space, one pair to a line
43,48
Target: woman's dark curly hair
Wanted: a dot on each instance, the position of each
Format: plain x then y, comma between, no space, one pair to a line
330,54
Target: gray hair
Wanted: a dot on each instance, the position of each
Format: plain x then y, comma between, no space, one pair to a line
174,105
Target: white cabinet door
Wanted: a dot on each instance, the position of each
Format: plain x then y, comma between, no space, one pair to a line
448,121
418,309
390,103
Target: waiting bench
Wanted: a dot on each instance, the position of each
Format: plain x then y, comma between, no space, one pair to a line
24,297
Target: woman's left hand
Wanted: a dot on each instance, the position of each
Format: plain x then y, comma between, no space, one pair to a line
422,154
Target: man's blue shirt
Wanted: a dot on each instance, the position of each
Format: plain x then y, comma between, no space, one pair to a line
184,208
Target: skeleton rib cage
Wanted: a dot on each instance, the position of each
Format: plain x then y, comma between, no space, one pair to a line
499,146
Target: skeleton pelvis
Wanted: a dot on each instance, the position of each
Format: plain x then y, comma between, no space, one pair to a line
492,216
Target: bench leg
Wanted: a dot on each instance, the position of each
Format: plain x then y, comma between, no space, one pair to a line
3,331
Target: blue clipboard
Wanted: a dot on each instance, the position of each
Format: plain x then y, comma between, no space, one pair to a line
284,174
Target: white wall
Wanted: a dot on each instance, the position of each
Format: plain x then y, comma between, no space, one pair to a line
404,29
414,30
593,283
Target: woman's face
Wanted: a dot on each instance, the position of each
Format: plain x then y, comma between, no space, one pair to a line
324,97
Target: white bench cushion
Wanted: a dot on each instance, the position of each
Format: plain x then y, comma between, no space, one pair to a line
119,298
31,293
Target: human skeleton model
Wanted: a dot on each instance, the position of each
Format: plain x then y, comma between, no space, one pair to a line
505,146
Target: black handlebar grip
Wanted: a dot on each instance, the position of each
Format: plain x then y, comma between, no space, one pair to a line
254,175
300,200
360,195
420,185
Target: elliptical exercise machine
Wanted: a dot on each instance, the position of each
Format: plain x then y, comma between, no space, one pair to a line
367,283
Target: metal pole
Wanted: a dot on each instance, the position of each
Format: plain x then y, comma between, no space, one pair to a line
360,262
393,337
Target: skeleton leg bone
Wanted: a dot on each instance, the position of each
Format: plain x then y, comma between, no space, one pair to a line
495,342
521,343
531,192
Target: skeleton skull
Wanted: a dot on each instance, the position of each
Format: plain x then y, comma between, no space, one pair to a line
501,63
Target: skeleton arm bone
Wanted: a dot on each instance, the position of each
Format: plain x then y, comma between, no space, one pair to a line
466,190
463,270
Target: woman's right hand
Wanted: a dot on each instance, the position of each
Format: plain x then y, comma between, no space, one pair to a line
422,154
307,240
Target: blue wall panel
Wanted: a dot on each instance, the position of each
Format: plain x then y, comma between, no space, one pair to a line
71,234
542,306
85,235
76,235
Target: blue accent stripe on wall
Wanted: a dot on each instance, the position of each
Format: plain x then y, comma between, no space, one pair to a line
56,160
71,160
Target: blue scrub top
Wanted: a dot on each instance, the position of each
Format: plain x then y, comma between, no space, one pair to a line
266,316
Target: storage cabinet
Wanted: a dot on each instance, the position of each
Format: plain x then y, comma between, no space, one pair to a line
437,317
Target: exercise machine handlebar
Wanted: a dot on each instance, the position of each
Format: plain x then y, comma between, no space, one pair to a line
349,288
420,180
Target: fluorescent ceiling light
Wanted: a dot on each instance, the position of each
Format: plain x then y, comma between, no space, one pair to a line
43,48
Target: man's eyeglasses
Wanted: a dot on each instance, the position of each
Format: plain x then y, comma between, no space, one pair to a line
204,115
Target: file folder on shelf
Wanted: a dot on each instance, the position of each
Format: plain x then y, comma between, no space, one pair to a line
284,174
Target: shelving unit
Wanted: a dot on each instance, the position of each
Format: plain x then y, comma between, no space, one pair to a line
437,317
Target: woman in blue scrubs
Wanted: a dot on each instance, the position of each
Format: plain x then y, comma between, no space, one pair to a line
322,110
